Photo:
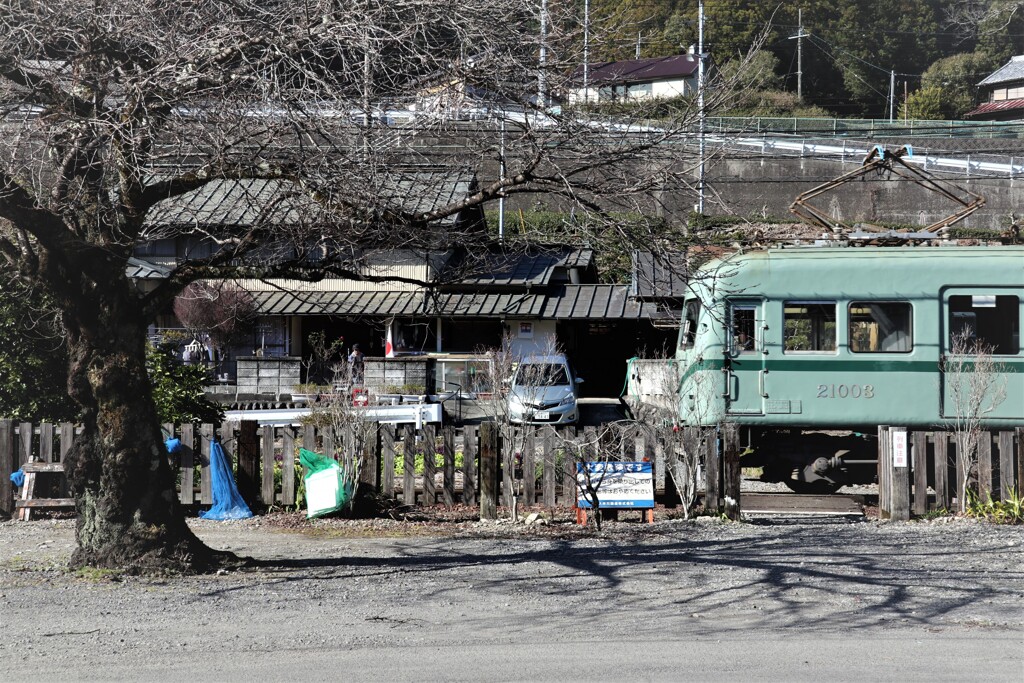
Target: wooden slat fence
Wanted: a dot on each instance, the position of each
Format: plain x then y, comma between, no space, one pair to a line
265,462
929,480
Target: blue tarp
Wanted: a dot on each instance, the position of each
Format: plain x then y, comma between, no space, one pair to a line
227,502
18,478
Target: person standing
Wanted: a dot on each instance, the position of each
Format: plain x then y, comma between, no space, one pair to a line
355,364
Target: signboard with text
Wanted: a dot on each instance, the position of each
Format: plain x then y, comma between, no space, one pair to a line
618,484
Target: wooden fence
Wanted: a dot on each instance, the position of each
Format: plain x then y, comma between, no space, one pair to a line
488,473
918,471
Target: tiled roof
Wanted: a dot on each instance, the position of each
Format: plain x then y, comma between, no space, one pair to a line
139,269
246,202
996,107
569,302
533,268
640,70
652,278
1013,70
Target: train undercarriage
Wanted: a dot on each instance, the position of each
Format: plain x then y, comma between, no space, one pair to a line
811,461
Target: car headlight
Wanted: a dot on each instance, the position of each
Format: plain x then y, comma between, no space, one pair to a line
568,400
514,401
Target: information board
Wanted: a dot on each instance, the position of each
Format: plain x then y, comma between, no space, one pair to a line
618,484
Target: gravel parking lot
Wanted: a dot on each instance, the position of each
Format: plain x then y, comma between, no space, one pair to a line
454,599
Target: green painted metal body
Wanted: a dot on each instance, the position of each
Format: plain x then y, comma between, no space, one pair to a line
771,387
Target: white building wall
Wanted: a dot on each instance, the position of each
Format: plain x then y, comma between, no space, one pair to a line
532,337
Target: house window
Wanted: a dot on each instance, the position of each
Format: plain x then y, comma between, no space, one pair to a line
1015,93
998,94
810,326
641,91
881,327
989,321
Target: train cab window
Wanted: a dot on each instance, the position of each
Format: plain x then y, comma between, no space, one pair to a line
743,328
881,327
991,321
689,332
810,326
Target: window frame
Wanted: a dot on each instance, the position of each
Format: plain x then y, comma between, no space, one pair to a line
786,303
861,302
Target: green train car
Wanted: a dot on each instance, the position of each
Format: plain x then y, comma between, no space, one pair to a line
809,349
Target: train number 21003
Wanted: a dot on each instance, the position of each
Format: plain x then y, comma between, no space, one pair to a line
846,391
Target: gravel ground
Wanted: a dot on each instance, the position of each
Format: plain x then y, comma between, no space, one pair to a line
442,597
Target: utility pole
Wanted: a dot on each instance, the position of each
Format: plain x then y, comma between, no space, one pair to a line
542,86
700,102
639,35
892,94
501,175
586,52
799,37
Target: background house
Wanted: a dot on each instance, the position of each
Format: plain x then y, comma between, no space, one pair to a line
1002,93
637,79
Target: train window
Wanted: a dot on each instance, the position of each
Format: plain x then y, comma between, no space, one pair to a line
744,328
810,326
991,321
689,332
881,327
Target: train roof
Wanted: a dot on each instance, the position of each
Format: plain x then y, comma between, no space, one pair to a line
859,271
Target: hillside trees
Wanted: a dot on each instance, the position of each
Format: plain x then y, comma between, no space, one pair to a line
125,121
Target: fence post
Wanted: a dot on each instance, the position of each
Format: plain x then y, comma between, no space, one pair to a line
884,472
941,464
429,464
712,477
530,467
409,465
248,460
732,471
266,480
205,437
7,467
469,450
288,467
985,488
186,464
900,502
488,471
549,476
387,447
920,453
1007,485
449,465
369,475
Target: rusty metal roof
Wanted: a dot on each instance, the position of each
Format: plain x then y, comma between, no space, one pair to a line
998,106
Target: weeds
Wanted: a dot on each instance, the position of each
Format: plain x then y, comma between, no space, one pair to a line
1009,511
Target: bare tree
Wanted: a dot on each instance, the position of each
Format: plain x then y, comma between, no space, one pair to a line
256,136
976,383
654,385
215,311
347,431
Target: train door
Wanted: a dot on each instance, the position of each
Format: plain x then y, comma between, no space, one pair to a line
744,357
985,319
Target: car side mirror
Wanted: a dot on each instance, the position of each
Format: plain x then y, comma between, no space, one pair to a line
579,380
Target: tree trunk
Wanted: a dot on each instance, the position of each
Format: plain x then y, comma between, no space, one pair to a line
128,512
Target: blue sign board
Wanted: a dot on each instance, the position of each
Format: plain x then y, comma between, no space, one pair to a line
618,484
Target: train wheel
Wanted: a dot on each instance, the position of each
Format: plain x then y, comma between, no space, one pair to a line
819,486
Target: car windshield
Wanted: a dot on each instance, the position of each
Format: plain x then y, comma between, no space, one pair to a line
541,375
